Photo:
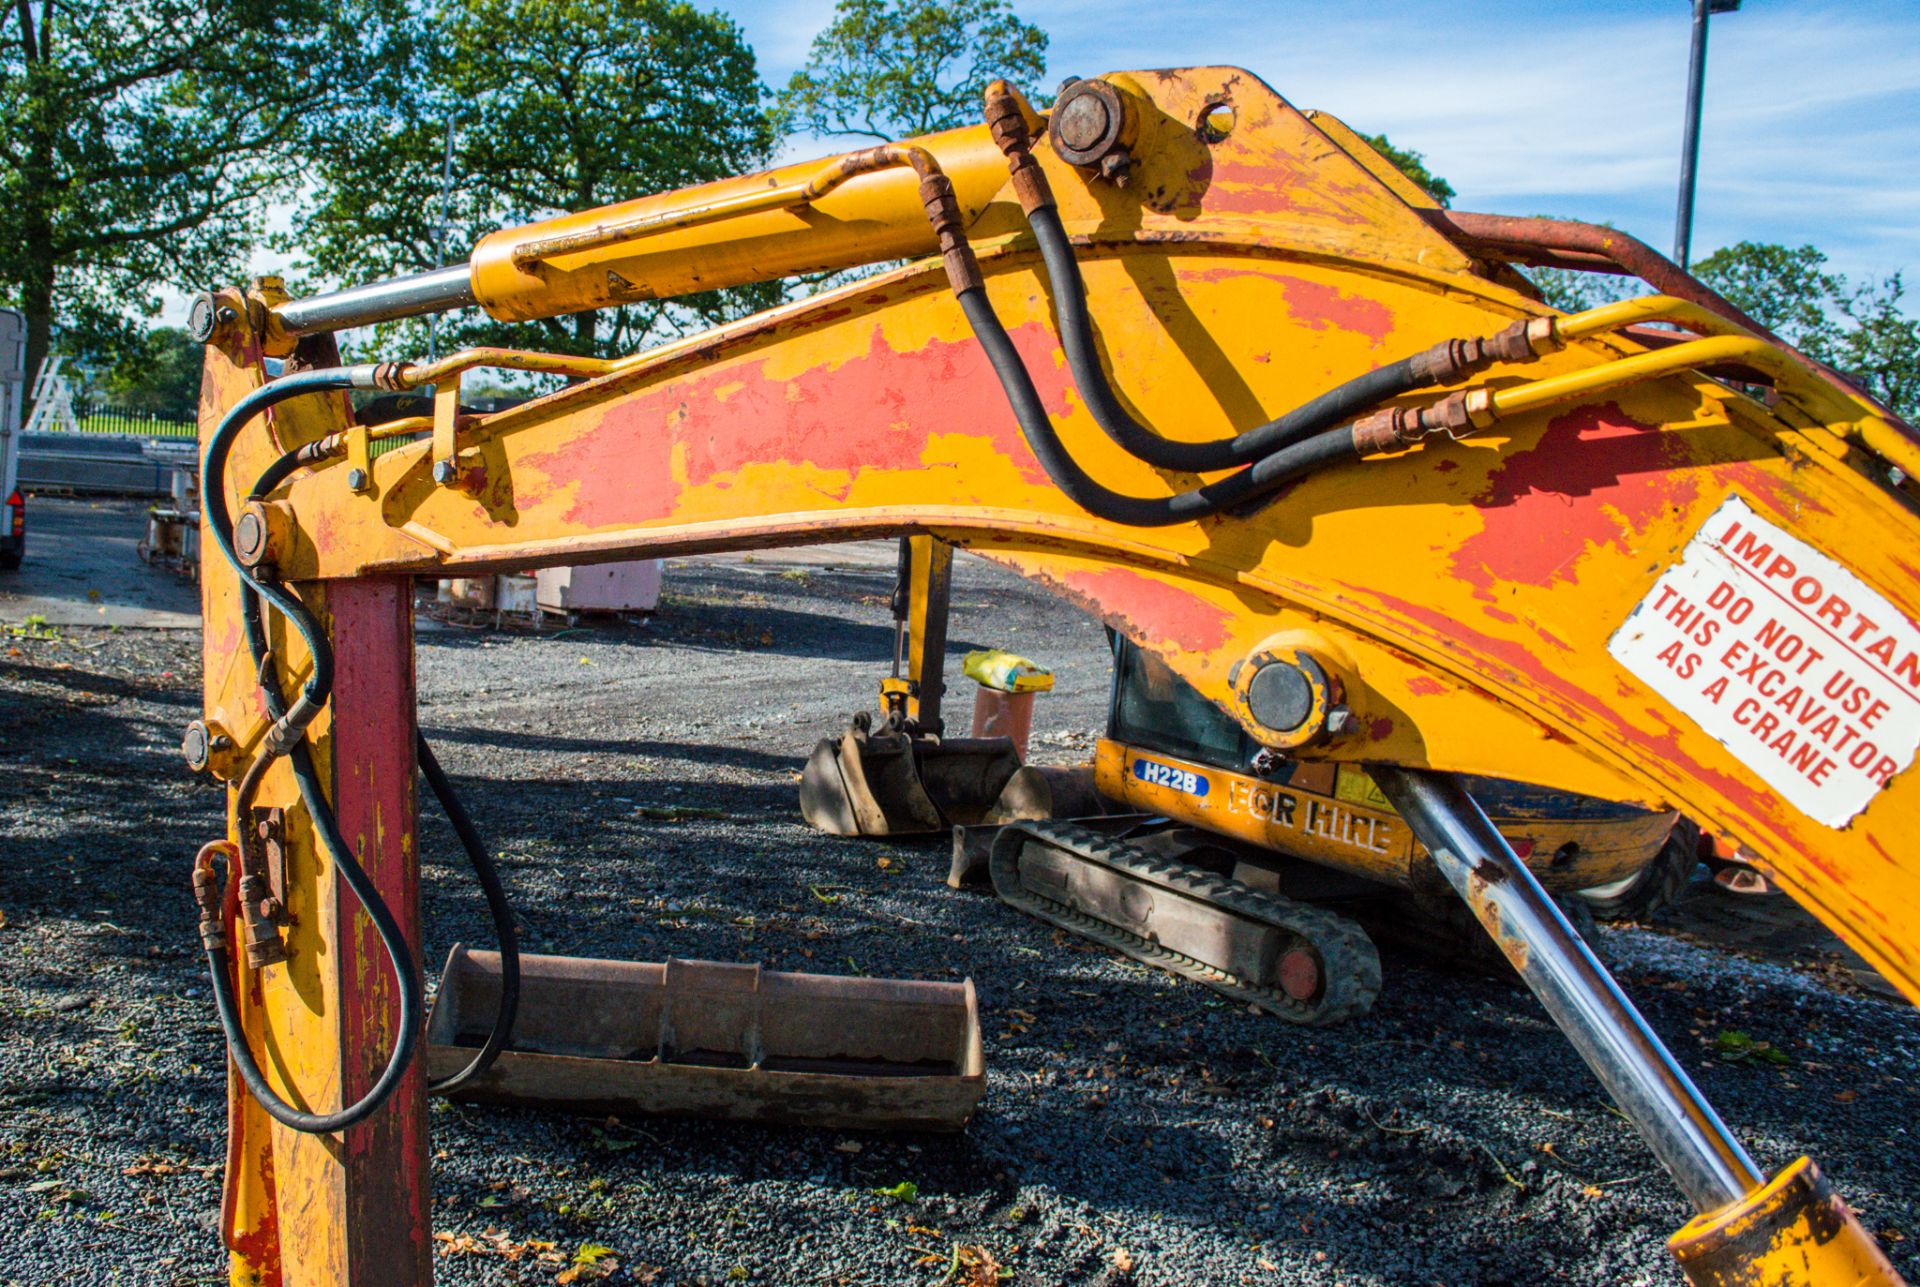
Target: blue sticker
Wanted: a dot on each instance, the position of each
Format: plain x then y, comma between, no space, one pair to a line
1185,781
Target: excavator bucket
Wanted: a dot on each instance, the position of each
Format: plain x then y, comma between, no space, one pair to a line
885,782
713,1039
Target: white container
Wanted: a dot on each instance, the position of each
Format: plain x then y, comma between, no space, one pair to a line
601,587
514,592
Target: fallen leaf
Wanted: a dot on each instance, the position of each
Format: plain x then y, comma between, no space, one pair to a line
905,1191
1123,1260
1846,1097
849,1146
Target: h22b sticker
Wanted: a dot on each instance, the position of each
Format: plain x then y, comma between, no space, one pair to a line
1185,781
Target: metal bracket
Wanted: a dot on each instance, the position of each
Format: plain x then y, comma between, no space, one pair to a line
270,825
360,462
446,412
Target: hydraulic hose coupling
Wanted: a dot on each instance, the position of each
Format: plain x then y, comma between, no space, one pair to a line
206,892
1007,120
1452,360
1467,411
943,212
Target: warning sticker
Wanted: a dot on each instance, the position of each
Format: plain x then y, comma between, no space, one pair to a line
1810,678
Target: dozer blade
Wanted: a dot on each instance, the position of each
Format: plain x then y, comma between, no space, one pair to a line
884,782
708,1039
1300,963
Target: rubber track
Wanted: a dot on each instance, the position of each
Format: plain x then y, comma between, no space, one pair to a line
1352,967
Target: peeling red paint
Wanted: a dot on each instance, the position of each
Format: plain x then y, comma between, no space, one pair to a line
1512,664
1154,609
385,1219
1312,304
1594,478
1768,491
722,421
1425,686
1323,307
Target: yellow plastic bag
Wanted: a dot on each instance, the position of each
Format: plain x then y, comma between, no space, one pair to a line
1001,670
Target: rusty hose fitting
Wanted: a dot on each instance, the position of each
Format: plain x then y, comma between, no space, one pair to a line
943,212
1007,120
208,894
1390,429
1458,415
1451,360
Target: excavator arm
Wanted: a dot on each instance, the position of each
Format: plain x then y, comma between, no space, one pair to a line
1645,553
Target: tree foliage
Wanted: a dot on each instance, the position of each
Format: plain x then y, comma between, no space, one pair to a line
888,69
1856,327
589,102
159,374
1414,165
141,142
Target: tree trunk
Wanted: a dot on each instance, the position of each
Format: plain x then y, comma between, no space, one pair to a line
36,297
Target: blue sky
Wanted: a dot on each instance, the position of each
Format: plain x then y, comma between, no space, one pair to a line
1812,123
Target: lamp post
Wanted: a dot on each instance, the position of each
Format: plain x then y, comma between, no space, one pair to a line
1690,142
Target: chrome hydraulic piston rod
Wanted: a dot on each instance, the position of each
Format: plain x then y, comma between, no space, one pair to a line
1688,1137
383,301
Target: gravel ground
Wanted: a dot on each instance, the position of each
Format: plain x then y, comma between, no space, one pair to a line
1136,1129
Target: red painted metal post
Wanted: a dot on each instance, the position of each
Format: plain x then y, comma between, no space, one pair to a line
386,1181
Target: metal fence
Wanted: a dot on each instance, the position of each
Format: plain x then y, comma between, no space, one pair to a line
119,422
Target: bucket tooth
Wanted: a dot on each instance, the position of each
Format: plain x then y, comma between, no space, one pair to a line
1300,963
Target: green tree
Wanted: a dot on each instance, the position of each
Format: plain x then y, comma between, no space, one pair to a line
140,142
587,103
159,375
1859,328
888,69
1881,345
1414,165
1786,289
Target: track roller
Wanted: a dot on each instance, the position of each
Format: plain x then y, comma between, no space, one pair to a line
1300,963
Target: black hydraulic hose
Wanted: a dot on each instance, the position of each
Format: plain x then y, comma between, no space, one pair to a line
326,826
1264,476
497,904
484,870
1337,405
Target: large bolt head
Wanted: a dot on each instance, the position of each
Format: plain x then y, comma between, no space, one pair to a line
250,537
357,479
1083,122
196,747
444,472
1086,122
1280,696
202,317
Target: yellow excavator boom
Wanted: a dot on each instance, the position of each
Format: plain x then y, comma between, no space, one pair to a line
1678,568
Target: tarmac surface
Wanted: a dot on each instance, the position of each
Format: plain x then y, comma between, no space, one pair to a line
82,569
638,785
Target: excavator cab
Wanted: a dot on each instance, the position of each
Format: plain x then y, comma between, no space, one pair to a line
1170,751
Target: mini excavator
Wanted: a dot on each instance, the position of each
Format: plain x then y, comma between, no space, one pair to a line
1197,362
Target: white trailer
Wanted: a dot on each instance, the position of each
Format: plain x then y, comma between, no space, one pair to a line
13,395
